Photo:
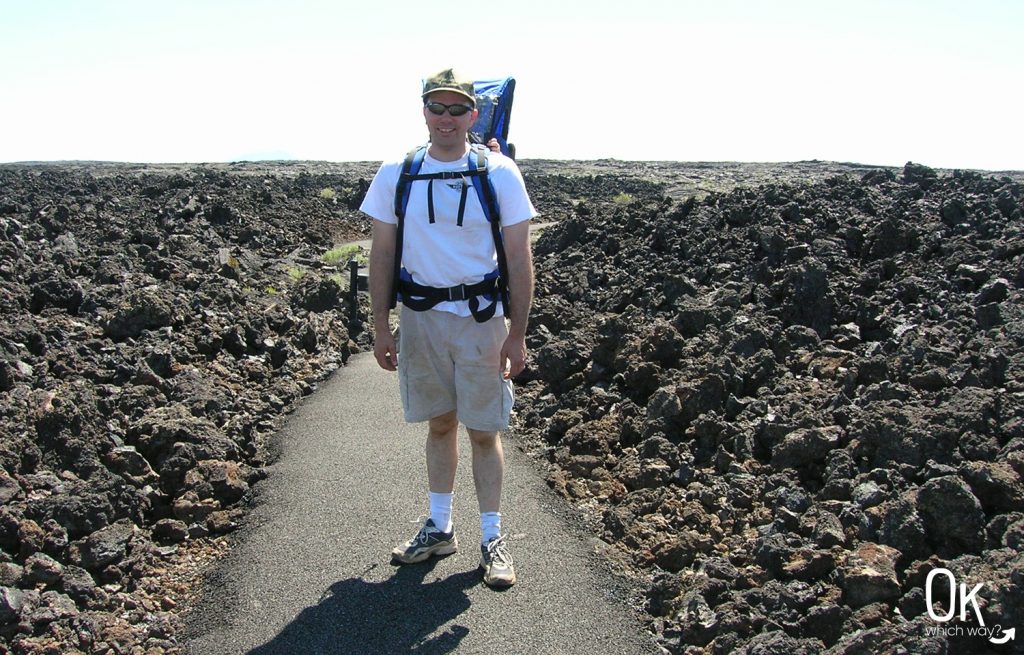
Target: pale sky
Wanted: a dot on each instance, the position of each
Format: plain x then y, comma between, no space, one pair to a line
870,81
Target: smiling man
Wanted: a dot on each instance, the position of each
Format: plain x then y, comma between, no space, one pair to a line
452,238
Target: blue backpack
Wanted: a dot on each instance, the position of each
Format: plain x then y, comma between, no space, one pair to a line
494,102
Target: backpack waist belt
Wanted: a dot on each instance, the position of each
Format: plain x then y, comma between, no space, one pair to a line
418,297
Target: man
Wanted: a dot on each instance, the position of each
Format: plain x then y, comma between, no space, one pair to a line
454,364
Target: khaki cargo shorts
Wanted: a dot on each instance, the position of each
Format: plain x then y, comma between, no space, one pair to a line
448,362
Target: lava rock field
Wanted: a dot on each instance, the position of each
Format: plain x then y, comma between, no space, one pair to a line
790,403
781,394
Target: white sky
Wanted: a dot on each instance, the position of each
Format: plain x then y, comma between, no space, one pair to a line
871,81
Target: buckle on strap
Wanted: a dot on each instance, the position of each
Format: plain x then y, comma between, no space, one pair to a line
457,293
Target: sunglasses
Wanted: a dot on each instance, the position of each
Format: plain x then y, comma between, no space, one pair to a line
438,108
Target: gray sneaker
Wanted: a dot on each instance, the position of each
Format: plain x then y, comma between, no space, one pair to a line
496,562
428,542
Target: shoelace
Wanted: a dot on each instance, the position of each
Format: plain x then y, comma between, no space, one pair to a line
496,551
424,533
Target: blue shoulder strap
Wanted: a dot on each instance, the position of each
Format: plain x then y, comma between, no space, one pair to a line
489,202
481,183
410,168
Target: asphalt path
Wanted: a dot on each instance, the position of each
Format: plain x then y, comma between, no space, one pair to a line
309,572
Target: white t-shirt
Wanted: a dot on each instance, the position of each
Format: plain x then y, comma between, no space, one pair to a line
444,254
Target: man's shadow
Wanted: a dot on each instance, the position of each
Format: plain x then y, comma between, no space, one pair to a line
398,615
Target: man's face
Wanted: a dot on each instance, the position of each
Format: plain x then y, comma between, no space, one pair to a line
447,130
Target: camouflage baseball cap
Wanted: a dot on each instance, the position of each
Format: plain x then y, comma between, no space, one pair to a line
449,80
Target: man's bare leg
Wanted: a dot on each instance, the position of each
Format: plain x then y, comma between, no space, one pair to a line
442,451
488,469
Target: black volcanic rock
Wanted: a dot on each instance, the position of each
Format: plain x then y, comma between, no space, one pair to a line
786,392
853,346
138,381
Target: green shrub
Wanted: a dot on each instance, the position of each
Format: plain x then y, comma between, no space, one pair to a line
623,199
343,255
328,193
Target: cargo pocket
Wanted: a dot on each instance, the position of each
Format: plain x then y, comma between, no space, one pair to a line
508,399
482,396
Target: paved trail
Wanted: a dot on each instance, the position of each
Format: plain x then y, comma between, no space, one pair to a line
311,571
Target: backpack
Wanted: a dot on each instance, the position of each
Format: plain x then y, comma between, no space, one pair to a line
419,297
494,102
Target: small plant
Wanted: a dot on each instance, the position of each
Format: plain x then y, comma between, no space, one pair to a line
623,199
295,273
328,193
271,291
343,255
338,279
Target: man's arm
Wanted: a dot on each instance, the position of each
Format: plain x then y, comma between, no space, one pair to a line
520,289
382,273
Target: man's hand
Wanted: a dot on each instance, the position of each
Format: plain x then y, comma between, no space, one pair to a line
513,357
494,145
385,351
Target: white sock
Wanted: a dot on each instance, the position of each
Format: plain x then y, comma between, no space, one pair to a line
441,510
490,525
